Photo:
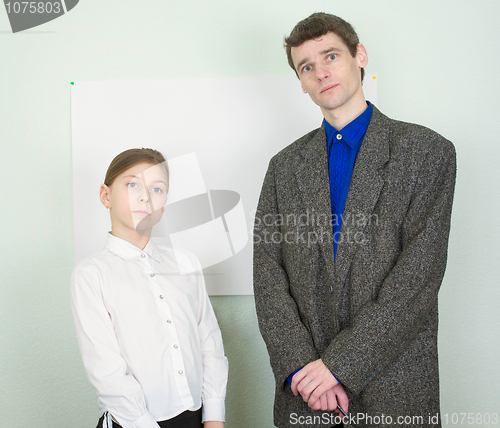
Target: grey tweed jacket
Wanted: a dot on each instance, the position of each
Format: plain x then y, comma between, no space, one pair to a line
371,314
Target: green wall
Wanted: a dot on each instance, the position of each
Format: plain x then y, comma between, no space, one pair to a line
437,64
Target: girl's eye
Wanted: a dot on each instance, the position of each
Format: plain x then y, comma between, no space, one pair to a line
157,190
132,185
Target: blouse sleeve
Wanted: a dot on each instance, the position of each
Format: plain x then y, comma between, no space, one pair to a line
215,364
106,369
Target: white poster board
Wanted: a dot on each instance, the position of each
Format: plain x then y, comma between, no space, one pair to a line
218,136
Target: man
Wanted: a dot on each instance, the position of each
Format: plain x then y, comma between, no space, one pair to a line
351,237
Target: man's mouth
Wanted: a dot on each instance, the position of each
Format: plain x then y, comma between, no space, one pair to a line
328,88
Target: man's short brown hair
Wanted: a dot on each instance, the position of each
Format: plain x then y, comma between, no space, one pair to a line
317,25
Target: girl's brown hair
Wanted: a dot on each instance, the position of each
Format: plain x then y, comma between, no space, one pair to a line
131,157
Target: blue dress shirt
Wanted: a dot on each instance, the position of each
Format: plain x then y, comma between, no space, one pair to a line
343,147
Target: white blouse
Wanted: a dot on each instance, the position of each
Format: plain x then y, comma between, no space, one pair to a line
148,336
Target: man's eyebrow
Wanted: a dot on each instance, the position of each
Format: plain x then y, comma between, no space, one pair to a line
301,63
328,50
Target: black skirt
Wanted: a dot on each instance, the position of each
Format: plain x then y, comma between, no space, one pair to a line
186,419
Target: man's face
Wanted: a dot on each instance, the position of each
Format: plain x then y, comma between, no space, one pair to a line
329,74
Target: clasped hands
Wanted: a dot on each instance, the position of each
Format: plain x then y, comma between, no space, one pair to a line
319,388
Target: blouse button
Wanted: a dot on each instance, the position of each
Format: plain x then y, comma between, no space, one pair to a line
151,275
143,255
161,296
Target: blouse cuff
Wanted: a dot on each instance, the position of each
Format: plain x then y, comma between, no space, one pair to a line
213,410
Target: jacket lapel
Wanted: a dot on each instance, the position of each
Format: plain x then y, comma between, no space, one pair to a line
364,190
314,186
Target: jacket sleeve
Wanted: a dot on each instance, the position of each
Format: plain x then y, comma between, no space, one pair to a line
106,369
384,327
289,343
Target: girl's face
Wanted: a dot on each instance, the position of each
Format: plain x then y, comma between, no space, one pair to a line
136,199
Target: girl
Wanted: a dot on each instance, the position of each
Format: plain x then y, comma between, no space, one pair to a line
149,339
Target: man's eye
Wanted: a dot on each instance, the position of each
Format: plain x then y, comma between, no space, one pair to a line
307,68
332,57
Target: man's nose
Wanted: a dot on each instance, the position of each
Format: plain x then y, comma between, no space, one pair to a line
322,72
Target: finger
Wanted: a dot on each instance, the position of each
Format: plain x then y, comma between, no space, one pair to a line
296,379
317,404
331,400
306,387
317,392
344,404
324,401
342,399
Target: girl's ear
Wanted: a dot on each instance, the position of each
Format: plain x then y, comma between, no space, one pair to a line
104,196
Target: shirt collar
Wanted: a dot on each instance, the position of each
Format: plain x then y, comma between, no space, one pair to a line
129,251
354,131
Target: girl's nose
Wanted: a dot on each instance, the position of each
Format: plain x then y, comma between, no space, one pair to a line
144,197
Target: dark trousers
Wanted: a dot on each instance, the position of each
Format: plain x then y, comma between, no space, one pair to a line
186,419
